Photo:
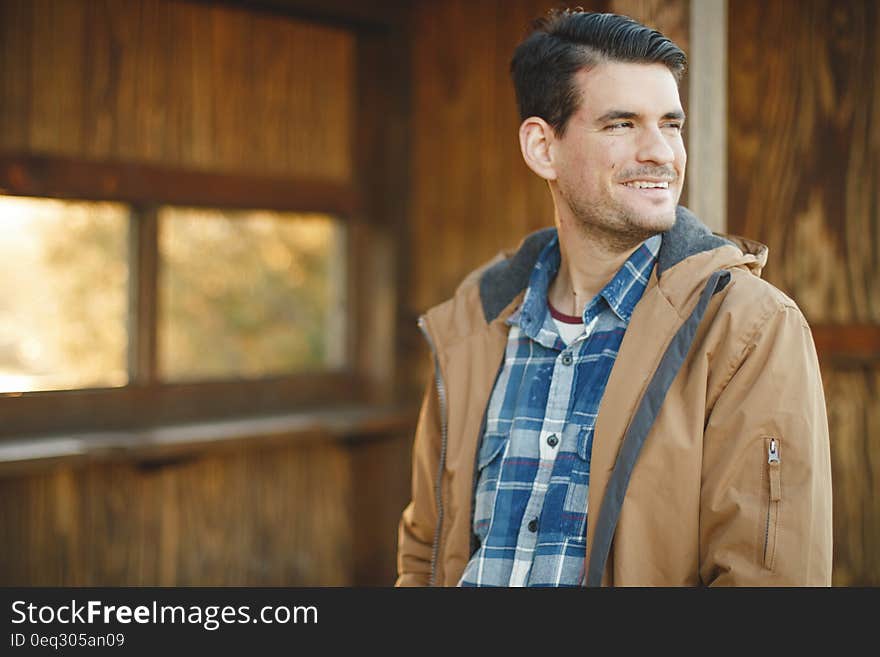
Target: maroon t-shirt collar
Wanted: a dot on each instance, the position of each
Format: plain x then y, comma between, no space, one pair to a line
562,317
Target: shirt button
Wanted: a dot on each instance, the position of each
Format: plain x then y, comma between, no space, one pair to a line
566,359
553,441
533,526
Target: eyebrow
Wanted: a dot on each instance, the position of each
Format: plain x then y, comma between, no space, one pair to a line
622,114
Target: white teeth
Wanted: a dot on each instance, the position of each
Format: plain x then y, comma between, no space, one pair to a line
644,184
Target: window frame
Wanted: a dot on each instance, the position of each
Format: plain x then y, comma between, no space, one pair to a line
146,401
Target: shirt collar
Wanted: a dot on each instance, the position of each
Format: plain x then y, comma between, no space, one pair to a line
621,294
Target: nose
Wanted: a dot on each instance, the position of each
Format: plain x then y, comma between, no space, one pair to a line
654,147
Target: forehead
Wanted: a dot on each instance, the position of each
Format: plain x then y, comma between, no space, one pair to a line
646,89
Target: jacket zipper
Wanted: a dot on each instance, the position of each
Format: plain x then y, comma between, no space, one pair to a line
441,395
775,495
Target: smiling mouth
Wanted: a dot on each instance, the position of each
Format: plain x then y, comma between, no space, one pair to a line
647,184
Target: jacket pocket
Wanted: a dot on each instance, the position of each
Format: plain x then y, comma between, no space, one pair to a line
488,471
774,498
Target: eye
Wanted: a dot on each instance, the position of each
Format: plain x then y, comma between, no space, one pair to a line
674,125
619,125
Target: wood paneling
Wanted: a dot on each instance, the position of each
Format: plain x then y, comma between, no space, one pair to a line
804,163
472,194
805,149
379,245
381,484
272,517
372,15
847,344
854,422
177,83
671,18
316,505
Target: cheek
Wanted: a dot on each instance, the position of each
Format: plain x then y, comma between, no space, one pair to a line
680,152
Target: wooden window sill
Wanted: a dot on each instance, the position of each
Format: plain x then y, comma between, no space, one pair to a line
167,445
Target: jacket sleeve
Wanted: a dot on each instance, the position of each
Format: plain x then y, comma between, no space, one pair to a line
765,504
419,519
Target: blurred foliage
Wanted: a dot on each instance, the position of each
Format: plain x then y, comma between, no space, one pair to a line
241,294
63,294
249,294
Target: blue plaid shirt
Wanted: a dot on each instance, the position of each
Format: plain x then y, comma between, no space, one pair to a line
530,512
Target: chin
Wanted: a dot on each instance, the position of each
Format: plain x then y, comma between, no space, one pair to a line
662,222
651,223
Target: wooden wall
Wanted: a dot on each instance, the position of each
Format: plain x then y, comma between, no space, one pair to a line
177,83
214,88
307,514
804,163
236,519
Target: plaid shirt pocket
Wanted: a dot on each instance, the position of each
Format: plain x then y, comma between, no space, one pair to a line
574,508
489,469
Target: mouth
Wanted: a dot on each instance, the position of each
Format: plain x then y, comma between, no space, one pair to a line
647,184
651,189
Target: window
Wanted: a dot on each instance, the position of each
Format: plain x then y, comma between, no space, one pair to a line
63,294
243,294
225,300
248,294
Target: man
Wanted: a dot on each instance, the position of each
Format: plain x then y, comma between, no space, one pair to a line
622,401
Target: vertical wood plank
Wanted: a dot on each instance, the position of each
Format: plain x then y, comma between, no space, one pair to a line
143,296
854,423
56,76
101,71
16,28
707,115
376,509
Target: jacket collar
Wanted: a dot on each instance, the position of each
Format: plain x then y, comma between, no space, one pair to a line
620,294
502,282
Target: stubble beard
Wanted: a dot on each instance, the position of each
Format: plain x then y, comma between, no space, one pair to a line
612,225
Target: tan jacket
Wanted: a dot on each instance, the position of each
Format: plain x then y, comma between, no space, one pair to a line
709,499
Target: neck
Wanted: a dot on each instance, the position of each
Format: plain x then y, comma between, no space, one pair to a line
589,260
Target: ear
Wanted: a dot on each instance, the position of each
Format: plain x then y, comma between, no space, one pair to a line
535,139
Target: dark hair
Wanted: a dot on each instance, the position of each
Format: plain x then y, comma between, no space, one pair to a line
566,41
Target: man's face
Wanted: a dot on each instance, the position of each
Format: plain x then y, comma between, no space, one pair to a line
620,163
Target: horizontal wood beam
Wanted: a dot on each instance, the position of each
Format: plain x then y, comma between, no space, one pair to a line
357,14
144,406
168,445
851,343
61,177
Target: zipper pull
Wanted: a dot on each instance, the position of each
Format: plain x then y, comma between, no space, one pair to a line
773,464
773,452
